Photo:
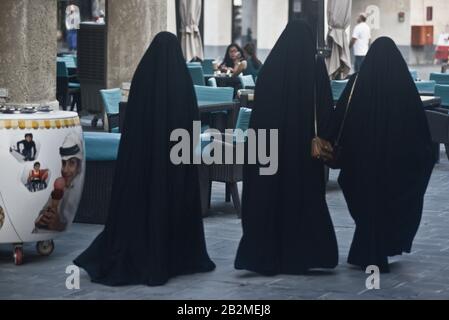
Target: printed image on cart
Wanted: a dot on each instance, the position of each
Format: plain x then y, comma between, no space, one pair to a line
26,149
61,207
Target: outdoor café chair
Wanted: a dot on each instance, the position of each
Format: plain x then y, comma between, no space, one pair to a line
101,155
247,82
231,174
338,86
442,91
66,89
111,101
426,87
208,67
197,74
440,78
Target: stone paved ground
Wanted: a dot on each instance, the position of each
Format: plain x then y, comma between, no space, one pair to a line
421,275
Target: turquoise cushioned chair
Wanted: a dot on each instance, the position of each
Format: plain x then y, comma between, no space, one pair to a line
338,86
111,100
197,74
442,91
440,78
426,87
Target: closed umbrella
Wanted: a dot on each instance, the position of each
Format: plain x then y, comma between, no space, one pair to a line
339,19
190,14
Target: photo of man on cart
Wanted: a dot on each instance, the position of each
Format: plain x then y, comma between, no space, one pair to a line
61,207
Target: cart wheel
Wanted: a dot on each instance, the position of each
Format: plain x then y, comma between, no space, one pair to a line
18,256
45,248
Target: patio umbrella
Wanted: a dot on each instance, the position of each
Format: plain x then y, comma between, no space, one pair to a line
190,14
339,19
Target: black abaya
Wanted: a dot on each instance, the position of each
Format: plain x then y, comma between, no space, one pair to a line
154,229
287,228
387,156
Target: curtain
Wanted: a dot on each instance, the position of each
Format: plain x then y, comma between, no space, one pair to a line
190,15
339,19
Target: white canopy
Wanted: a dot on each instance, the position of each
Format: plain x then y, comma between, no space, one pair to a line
190,14
339,19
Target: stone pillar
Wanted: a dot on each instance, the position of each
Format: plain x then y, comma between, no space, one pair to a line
132,24
28,51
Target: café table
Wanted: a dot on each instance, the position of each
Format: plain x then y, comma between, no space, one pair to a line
204,107
246,98
224,80
430,102
424,93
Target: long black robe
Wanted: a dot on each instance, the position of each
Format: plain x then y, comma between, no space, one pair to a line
154,229
287,228
387,156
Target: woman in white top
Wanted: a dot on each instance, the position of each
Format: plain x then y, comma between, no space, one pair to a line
234,60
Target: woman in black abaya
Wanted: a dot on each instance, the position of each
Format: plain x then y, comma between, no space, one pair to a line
154,229
287,228
387,156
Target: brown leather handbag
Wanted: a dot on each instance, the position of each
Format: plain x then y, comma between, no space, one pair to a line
322,149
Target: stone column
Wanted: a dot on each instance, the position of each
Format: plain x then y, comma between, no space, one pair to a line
28,51
132,24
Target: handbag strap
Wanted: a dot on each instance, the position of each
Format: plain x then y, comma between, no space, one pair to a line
315,111
340,133
314,99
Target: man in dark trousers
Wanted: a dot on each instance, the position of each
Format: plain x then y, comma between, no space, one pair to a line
28,148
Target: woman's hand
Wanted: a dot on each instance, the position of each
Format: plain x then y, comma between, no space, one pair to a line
239,68
224,68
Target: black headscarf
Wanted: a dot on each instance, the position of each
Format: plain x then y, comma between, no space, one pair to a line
387,156
287,228
154,229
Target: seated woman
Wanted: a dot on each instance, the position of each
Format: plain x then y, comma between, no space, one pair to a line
234,61
253,63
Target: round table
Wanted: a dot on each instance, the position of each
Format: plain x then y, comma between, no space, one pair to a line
226,81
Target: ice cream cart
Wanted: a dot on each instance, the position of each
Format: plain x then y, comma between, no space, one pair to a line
41,176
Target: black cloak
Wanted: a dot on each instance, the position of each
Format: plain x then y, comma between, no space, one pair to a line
154,230
287,228
387,157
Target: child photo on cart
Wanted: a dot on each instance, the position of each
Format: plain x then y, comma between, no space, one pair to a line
25,150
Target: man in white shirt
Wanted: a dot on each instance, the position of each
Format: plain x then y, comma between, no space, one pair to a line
360,41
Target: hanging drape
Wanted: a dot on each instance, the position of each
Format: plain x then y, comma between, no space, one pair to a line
339,19
190,16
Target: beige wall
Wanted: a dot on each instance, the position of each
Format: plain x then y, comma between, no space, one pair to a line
217,22
171,16
440,15
400,32
415,13
272,19
132,24
28,50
